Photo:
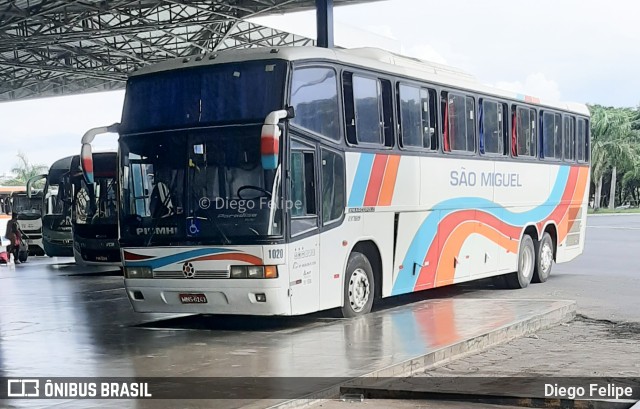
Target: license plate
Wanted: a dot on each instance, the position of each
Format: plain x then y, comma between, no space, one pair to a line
193,299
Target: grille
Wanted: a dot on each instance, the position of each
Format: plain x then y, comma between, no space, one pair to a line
198,274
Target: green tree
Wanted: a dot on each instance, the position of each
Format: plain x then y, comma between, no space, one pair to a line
23,171
614,147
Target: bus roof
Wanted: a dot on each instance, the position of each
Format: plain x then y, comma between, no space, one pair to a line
8,190
374,58
59,168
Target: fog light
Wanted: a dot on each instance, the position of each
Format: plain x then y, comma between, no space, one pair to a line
238,272
137,295
255,272
261,297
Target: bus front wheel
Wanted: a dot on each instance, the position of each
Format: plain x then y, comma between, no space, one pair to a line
359,286
526,263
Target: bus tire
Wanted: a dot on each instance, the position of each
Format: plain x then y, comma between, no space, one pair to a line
544,259
359,286
526,263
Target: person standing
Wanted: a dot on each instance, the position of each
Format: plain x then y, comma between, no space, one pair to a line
13,234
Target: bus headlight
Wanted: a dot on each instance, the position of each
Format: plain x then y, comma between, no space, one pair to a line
253,272
138,272
238,272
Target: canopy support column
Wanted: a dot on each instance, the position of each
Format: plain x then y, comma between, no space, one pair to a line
324,23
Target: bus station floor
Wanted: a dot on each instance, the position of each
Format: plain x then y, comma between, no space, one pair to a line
60,320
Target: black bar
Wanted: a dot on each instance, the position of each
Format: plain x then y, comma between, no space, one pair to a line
496,389
324,22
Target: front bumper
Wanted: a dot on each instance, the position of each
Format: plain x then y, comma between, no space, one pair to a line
224,296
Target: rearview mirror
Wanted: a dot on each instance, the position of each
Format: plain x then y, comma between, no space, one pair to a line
30,183
86,155
86,163
270,139
270,146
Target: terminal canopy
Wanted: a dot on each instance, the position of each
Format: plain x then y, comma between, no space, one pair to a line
51,47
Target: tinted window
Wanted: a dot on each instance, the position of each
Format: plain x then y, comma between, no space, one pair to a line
551,135
333,199
417,117
526,132
492,127
366,97
314,96
460,130
569,133
224,93
302,182
582,150
410,115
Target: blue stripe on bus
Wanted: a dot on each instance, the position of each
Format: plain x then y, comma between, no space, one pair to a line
427,231
176,258
361,180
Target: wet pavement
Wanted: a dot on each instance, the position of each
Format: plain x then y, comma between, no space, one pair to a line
57,319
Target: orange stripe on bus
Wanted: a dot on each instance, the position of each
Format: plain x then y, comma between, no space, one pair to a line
445,272
375,180
389,182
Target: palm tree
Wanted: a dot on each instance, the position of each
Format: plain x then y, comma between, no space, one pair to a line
24,171
613,146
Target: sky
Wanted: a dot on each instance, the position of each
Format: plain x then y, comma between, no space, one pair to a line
569,50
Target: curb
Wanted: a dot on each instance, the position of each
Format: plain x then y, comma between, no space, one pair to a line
612,214
547,403
544,319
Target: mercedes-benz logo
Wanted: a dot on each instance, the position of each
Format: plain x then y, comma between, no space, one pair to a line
188,270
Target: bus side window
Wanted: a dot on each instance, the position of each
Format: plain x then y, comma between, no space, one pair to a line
493,130
582,151
416,117
368,115
459,123
569,133
551,135
387,113
368,106
526,134
349,108
314,96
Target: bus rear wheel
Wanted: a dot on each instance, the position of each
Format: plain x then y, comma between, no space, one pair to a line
526,264
544,259
359,286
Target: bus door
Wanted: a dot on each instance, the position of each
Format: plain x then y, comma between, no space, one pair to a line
336,235
304,219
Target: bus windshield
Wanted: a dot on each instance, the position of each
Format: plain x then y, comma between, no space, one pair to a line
205,185
23,205
98,206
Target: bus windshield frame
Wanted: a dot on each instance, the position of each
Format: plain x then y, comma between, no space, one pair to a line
172,191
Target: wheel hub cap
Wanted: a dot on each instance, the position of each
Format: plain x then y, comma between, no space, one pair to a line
358,290
546,257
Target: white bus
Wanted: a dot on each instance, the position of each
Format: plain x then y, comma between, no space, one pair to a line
287,181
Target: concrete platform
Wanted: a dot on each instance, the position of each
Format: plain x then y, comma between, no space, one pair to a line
60,320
